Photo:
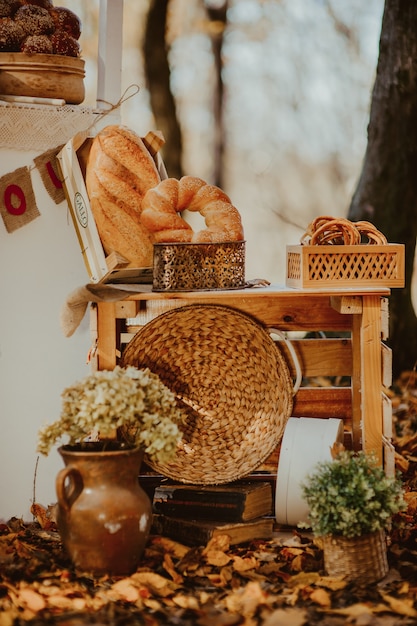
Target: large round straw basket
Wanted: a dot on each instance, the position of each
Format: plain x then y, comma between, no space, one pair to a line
362,559
232,383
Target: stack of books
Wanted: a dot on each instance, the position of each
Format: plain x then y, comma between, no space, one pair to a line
194,514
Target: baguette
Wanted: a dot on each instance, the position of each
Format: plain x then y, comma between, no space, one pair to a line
120,170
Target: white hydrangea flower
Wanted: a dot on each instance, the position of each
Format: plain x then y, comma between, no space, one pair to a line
132,402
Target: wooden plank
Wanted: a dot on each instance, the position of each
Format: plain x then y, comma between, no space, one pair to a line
346,304
387,425
301,314
356,384
320,357
92,359
386,357
384,318
371,376
126,337
389,457
323,402
125,309
367,373
283,310
108,340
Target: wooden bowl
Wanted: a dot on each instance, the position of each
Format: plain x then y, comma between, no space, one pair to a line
42,76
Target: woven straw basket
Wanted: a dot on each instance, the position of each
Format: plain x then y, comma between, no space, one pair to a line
360,559
231,381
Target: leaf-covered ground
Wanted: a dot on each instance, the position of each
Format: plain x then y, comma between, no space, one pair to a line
268,583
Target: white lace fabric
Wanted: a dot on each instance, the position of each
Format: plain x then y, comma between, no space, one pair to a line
40,126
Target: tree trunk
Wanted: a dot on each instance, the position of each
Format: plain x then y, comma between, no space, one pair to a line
158,79
218,17
386,193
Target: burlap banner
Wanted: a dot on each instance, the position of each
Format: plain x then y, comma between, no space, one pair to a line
47,165
17,199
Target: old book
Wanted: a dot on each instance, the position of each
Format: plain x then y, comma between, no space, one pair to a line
197,532
237,502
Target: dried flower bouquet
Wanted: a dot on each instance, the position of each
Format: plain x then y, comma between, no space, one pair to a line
134,403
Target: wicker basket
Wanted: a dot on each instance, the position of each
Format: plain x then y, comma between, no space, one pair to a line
362,560
231,381
336,266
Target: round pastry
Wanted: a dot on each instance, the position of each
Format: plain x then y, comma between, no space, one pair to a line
372,234
162,204
340,231
34,20
335,231
45,4
9,7
65,19
37,44
64,44
11,35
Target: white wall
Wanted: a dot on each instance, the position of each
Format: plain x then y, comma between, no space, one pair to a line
41,264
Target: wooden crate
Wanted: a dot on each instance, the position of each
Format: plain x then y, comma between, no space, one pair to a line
113,268
345,266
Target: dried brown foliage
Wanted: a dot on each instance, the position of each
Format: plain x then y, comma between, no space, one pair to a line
271,583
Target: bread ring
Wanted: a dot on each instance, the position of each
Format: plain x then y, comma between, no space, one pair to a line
162,204
313,226
325,230
337,231
373,235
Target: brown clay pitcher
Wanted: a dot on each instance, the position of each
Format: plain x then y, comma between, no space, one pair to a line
103,516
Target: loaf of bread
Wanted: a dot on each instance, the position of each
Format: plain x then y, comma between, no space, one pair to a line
120,170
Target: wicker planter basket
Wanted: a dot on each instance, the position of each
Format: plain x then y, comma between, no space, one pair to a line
360,559
231,381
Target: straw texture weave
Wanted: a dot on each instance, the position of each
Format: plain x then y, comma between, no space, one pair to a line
231,381
361,559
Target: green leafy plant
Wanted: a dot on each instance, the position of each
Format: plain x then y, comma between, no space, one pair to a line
130,404
351,496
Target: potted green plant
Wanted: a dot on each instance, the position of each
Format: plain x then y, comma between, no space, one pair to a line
109,420
351,502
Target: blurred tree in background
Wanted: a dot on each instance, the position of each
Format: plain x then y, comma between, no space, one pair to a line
386,193
158,79
158,74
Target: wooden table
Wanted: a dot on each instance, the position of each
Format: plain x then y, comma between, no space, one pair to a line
336,334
